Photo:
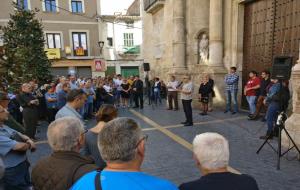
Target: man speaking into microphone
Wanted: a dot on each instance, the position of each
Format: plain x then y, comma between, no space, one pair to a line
186,98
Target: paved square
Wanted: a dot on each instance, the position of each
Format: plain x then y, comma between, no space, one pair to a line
169,155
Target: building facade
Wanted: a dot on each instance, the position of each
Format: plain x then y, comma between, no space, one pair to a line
209,36
72,33
124,40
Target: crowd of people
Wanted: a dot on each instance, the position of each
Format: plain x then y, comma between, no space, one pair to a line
115,148
264,92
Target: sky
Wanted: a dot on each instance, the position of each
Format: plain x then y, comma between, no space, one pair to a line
108,7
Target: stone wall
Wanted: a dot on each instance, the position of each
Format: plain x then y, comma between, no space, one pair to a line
293,122
158,41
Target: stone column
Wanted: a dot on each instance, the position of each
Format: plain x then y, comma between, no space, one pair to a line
292,123
179,39
216,33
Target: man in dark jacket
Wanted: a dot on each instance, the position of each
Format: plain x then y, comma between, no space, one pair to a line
29,104
65,165
262,93
11,122
138,87
211,153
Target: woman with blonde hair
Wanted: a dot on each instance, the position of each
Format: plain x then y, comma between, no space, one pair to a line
205,90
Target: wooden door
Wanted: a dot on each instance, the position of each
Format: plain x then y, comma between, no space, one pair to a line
258,36
271,28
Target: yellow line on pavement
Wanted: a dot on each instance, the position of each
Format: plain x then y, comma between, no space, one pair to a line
209,122
170,134
198,123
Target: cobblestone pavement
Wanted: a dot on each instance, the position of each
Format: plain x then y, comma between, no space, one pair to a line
168,151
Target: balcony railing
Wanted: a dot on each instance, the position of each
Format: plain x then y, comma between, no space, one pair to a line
152,6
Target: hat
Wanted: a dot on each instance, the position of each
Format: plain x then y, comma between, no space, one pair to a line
3,96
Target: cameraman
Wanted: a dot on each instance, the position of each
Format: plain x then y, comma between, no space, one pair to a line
277,100
13,148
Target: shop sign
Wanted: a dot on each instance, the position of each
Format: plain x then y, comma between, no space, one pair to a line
53,53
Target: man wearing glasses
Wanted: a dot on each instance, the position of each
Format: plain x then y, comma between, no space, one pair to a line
122,146
186,98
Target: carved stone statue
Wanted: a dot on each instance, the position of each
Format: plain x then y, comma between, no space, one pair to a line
203,48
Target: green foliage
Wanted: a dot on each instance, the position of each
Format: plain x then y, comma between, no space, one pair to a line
24,48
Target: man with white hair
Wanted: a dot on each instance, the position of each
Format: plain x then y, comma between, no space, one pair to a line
66,136
122,146
29,103
211,153
58,87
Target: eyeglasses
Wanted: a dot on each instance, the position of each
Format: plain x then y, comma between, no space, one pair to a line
144,138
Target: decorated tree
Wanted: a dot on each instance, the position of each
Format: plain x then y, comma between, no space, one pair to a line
25,58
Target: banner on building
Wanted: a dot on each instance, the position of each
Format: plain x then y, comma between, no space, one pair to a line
100,65
53,53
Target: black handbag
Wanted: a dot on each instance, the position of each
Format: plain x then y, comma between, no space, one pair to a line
204,100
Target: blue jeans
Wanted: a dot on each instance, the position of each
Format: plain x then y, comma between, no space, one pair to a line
17,178
88,110
251,101
118,96
82,111
231,94
157,96
271,115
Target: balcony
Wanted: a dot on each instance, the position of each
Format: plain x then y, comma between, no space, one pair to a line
152,6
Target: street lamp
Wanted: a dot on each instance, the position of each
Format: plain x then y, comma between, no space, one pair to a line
101,45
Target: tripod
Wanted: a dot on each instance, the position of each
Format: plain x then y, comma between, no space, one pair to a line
280,124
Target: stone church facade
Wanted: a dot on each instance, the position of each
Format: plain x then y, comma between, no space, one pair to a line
189,37
200,37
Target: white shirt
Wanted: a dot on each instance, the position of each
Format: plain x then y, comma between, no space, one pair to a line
172,86
118,83
188,87
107,88
58,87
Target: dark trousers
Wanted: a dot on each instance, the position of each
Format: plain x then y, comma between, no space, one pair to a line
157,96
138,99
187,108
260,105
51,114
17,178
173,97
88,110
30,117
272,114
